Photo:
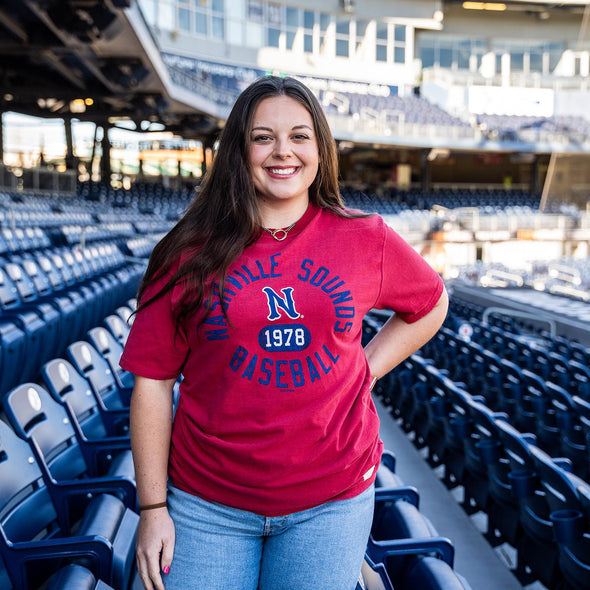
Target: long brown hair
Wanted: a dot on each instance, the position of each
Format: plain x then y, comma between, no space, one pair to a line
224,217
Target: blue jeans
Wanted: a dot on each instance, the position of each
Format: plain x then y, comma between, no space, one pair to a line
222,548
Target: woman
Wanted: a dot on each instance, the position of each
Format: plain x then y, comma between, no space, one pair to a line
257,296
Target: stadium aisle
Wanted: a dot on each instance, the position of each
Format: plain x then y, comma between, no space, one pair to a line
475,560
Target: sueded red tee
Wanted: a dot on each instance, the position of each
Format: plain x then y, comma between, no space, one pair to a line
275,413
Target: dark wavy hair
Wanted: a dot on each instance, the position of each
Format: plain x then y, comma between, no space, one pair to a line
224,217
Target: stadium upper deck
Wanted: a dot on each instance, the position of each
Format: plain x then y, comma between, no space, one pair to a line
416,81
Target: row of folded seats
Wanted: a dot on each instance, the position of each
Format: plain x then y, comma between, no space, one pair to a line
50,298
510,427
405,551
68,503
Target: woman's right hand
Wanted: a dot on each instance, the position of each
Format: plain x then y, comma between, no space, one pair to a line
154,547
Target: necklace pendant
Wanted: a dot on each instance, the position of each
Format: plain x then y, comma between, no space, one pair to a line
279,234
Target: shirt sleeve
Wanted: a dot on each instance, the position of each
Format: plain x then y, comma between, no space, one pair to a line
409,285
155,347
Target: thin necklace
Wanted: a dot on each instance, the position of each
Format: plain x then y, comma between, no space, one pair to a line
281,233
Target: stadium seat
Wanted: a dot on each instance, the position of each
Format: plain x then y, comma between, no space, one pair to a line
12,354
35,540
40,333
405,552
111,350
36,416
67,385
90,363
579,379
503,509
118,328
397,517
537,548
75,577
126,314
373,577
386,476
566,494
431,573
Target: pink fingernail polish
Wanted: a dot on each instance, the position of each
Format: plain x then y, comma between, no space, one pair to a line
166,569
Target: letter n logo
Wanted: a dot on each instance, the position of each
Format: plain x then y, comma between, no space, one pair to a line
276,302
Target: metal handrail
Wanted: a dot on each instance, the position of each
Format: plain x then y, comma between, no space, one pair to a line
520,314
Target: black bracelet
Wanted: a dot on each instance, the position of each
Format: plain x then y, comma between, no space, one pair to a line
153,506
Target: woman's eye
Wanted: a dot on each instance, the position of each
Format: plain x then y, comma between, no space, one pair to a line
261,138
301,137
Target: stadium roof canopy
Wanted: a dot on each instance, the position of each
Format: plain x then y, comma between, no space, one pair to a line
93,60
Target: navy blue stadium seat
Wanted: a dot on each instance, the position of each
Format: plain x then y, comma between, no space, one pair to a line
567,497
66,385
118,328
373,576
503,508
405,552
75,577
386,476
90,363
69,455
536,548
126,314
35,539
582,407
13,343
111,349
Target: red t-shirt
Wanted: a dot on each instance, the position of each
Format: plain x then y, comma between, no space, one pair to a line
275,413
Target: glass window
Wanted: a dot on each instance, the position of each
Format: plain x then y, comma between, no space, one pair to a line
308,24
399,55
381,31
342,27
342,48
290,39
555,50
217,5
342,37
381,53
274,14
273,37
536,62
517,61
201,23
463,54
361,29
445,57
255,11
324,23
217,27
400,33
292,17
184,19
427,56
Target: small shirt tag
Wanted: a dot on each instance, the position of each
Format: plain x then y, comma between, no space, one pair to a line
369,473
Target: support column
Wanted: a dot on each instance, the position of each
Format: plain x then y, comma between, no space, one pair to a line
71,160
425,171
534,182
105,160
